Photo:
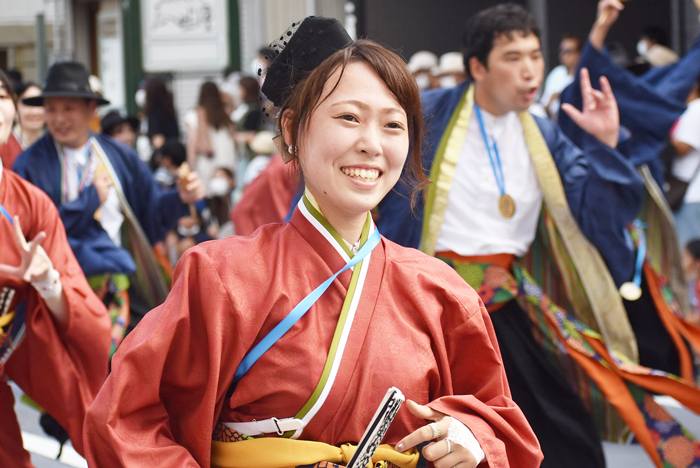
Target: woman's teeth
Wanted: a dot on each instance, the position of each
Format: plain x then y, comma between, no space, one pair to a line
366,174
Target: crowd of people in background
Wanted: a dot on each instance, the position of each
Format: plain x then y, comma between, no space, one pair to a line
160,183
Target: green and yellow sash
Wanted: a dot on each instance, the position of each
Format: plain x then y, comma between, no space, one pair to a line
312,212
585,279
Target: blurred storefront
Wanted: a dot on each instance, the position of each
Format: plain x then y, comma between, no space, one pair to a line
187,41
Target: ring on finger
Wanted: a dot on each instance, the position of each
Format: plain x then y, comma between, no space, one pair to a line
436,430
449,449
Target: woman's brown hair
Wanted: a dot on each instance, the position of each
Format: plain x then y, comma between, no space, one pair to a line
210,100
5,83
158,97
305,97
250,88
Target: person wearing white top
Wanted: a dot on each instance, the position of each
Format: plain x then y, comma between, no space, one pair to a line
562,75
685,139
104,195
212,146
486,203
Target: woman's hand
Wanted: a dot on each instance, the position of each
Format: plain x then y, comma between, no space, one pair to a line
437,451
35,267
35,263
599,116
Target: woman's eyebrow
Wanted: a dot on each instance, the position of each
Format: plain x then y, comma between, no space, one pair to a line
362,105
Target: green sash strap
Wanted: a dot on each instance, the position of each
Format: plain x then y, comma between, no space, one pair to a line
148,280
310,208
663,249
324,383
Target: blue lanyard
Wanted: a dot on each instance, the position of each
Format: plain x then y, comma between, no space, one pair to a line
497,172
641,252
300,309
6,214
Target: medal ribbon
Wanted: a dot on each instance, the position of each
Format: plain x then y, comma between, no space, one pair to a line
641,251
497,172
301,309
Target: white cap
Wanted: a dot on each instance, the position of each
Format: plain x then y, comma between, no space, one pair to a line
422,60
451,62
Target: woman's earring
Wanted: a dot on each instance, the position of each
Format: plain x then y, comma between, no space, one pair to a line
288,153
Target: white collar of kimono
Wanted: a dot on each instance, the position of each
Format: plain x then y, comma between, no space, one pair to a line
342,250
0,171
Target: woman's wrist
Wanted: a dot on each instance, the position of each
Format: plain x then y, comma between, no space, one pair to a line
51,286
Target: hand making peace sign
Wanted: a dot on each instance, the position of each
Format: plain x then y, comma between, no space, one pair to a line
35,263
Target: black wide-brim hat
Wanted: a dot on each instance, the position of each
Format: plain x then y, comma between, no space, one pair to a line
68,80
299,50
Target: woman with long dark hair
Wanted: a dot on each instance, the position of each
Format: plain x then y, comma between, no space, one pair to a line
210,142
160,113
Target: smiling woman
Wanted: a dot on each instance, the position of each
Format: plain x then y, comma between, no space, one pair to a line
357,111
248,344
30,119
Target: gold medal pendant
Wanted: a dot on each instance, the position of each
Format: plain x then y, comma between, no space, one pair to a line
506,206
630,291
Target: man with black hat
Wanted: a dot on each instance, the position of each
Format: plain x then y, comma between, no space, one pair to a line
112,208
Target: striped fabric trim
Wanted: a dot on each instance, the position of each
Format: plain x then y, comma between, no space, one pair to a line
347,315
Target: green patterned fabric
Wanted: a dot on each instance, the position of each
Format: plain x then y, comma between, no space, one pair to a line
568,341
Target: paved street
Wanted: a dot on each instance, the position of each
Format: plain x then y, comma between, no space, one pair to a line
44,450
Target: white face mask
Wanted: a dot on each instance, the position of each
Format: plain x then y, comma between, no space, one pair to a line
140,97
448,81
423,81
218,186
642,47
188,232
164,177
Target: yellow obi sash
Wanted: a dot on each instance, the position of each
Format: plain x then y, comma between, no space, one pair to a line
601,299
289,453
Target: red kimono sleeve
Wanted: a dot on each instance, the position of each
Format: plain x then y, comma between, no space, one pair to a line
477,393
266,199
168,382
61,368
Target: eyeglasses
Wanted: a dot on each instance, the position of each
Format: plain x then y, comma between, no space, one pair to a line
567,51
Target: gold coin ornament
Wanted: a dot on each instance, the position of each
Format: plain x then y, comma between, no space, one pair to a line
630,291
506,206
